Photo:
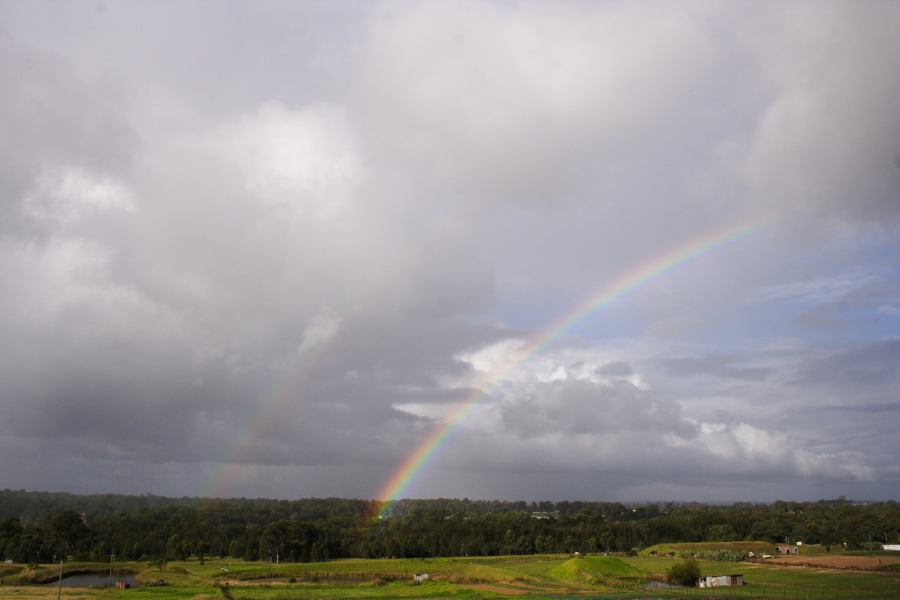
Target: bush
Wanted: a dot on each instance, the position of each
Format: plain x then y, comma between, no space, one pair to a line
724,555
685,573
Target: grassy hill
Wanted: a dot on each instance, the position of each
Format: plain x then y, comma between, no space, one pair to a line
593,569
756,547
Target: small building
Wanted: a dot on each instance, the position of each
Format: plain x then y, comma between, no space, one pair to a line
786,549
892,547
712,581
420,577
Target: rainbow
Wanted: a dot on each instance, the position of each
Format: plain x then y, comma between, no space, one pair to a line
285,389
404,475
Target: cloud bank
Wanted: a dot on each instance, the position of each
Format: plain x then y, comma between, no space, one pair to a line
262,251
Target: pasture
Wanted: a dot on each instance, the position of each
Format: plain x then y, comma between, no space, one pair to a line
534,577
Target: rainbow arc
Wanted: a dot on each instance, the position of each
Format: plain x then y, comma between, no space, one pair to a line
406,473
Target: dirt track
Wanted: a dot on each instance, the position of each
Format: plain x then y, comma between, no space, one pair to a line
496,589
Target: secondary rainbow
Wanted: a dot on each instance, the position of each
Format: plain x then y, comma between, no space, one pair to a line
285,390
405,474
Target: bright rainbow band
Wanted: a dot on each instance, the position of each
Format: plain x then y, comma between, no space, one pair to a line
404,475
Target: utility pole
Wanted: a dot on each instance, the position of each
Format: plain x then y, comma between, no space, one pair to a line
59,585
109,581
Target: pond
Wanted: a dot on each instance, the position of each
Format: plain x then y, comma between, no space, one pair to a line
96,580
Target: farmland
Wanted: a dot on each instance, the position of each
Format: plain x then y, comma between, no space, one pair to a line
532,576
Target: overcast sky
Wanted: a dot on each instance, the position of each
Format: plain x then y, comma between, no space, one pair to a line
261,248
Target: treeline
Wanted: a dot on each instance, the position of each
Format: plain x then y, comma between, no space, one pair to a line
42,527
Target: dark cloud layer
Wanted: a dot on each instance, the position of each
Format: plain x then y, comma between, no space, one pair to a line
263,250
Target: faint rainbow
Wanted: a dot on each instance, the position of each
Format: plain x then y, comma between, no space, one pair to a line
404,475
286,388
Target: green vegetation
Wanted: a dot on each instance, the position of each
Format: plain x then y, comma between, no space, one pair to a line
696,548
816,549
594,569
331,548
39,527
535,576
685,573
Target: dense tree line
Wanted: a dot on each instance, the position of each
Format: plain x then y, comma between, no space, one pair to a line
42,527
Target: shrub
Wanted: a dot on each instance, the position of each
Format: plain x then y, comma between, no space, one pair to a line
684,573
724,555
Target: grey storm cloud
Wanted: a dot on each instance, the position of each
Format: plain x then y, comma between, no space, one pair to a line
283,240
713,365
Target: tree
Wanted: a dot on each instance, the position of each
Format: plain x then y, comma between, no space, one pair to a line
68,531
721,533
10,532
685,573
176,549
202,550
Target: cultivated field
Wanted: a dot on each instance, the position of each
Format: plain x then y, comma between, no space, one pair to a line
857,563
540,576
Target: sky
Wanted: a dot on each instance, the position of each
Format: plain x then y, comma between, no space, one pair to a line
262,249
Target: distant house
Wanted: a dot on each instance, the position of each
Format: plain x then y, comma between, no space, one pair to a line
541,514
711,581
786,549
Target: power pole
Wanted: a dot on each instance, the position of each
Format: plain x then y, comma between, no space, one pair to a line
109,581
59,585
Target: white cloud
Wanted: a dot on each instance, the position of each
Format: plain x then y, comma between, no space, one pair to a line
306,159
889,309
823,290
320,330
590,416
72,193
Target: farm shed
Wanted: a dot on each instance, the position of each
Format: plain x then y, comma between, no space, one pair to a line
710,581
786,549
892,547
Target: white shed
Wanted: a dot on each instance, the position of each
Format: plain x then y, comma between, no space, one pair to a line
711,581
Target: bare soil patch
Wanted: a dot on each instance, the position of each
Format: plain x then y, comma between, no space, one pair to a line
496,589
857,563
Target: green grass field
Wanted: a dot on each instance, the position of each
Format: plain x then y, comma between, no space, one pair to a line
541,576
